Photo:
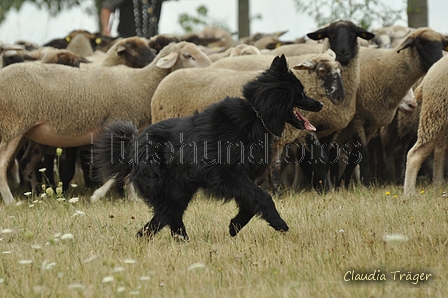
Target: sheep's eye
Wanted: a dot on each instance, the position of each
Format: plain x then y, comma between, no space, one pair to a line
187,55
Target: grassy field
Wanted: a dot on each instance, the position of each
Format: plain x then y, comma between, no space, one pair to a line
62,248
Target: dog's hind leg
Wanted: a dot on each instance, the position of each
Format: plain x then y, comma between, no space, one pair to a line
152,227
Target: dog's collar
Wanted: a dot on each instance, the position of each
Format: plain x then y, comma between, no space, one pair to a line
262,122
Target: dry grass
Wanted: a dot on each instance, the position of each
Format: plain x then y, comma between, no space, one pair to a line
329,235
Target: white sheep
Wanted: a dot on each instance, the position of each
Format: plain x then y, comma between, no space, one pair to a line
188,90
62,106
432,133
386,76
238,50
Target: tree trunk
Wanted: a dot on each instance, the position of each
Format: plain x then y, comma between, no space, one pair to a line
417,13
243,18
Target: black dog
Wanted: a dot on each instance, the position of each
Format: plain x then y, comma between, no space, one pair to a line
222,149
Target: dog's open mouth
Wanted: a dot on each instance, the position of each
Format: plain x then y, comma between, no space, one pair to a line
306,123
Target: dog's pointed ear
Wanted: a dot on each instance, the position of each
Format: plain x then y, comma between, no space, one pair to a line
280,63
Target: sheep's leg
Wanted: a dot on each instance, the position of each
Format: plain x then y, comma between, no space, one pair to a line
297,174
67,166
400,158
314,164
439,162
131,191
7,150
418,153
364,164
275,169
353,160
101,192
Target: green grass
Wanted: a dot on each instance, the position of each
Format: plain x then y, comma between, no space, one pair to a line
329,235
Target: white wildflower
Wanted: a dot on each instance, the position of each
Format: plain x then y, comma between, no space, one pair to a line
90,259
121,289
36,246
78,212
196,266
42,170
107,279
2,280
395,238
28,193
47,266
73,200
25,262
145,278
118,269
76,286
6,231
129,261
67,236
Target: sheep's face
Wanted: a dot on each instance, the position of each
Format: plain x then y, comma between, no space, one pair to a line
182,55
328,74
192,56
428,44
342,36
408,104
136,52
329,78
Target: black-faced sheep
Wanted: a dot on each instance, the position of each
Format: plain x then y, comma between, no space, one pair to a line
62,106
433,126
386,76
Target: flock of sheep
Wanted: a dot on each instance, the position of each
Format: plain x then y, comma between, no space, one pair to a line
61,94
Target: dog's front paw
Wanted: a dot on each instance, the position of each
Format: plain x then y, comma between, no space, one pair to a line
144,233
280,225
234,229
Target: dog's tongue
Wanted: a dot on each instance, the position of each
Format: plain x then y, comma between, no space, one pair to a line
306,122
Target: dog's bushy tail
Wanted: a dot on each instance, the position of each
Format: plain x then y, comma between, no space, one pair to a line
113,150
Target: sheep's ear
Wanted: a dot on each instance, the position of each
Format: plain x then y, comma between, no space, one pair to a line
121,48
84,60
445,44
319,34
408,42
280,33
168,61
305,65
364,34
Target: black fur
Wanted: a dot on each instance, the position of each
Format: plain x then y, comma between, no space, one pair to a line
222,149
